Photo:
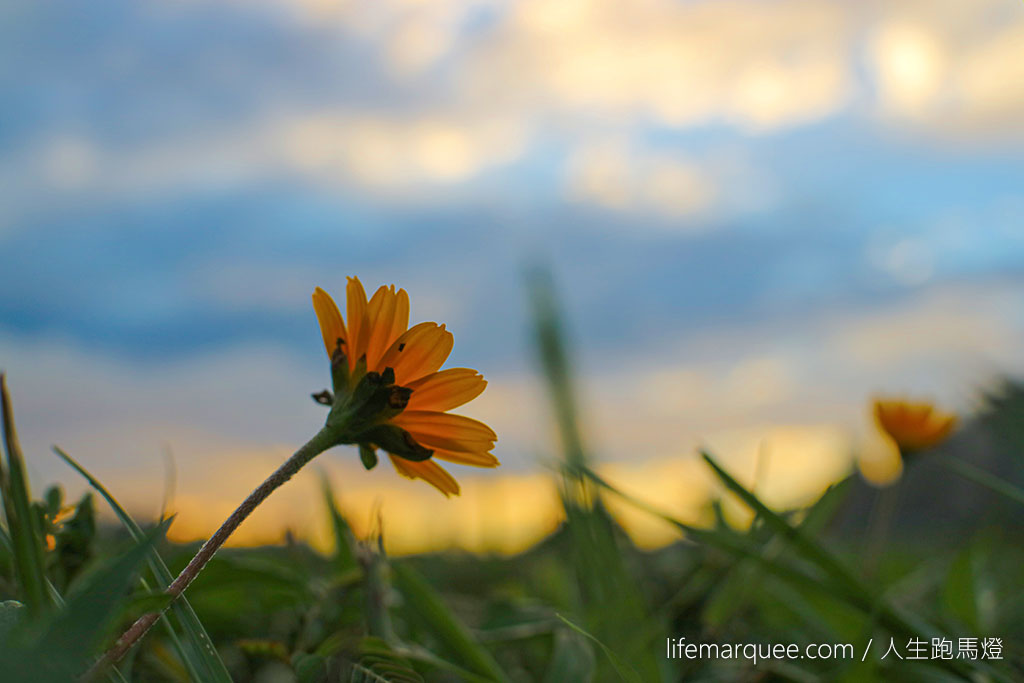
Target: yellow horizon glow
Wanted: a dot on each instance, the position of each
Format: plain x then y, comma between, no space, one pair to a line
506,514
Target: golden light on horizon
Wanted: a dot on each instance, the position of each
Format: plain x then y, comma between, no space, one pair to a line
787,465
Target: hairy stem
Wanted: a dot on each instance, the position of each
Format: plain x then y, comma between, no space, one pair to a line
323,440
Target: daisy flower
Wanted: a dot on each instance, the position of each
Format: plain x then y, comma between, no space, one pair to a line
913,426
390,392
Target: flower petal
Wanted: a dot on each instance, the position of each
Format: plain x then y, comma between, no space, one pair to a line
332,326
358,329
406,343
447,389
475,459
446,431
430,472
400,322
380,313
421,350
913,426
940,429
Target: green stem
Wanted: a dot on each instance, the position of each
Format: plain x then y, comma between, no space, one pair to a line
883,511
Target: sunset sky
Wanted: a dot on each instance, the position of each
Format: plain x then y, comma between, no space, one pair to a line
758,215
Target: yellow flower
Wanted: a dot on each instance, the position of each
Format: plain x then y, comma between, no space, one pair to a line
413,424
913,426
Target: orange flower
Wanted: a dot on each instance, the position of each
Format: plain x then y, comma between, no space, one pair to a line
913,426
413,424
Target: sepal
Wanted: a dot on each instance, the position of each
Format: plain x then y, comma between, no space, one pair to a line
396,441
368,455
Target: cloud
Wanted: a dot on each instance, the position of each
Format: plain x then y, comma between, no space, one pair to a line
613,176
951,67
419,102
385,151
392,154
963,327
748,64
909,64
448,91
759,67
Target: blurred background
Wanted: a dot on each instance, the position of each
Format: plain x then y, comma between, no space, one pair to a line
757,214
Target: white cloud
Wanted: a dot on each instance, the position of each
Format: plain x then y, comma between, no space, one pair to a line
413,156
907,260
953,67
383,151
467,95
612,175
909,64
754,65
746,63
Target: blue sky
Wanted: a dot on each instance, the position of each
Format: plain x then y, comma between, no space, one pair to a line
801,200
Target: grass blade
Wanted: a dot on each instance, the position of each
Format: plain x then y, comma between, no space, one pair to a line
726,542
624,670
980,476
344,540
5,540
200,657
380,663
554,362
797,537
424,656
572,659
824,510
22,522
608,596
425,603
60,648
893,619
7,546
116,676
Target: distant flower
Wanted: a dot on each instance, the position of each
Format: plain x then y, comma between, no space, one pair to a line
390,392
913,426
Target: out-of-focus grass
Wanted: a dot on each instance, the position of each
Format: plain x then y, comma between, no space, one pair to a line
195,650
23,524
583,605
608,596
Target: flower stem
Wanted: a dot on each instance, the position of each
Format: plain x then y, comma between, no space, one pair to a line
880,521
323,440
